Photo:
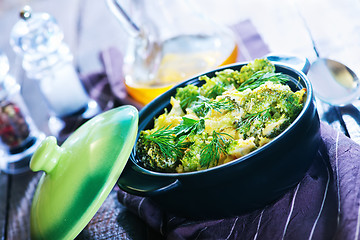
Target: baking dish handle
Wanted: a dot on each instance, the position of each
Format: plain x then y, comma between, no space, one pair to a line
299,63
143,184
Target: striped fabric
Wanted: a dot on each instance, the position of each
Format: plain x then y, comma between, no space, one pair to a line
324,205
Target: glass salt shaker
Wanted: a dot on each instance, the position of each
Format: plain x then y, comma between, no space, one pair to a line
39,40
19,137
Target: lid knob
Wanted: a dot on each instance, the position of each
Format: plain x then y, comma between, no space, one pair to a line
46,156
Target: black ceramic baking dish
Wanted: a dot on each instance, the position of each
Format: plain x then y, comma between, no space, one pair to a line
237,187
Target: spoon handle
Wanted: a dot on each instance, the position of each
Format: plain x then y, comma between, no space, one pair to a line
308,30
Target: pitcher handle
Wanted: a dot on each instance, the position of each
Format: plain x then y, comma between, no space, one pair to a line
123,17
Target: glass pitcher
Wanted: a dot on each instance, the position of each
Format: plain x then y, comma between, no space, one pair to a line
170,41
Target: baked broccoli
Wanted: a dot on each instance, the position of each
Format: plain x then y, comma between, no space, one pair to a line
230,115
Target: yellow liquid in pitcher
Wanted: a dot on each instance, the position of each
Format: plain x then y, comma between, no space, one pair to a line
177,66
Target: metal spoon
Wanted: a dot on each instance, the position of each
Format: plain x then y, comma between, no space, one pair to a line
332,81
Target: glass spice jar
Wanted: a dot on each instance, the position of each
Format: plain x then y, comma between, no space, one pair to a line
19,136
14,130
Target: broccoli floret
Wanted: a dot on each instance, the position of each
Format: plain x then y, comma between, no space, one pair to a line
291,104
259,65
262,65
270,109
152,156
224,79
212,88
228,77
187,95
191,160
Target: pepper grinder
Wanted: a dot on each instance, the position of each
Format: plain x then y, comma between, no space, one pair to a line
19,137
39,40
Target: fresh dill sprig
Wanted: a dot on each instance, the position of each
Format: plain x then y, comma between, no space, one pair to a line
171,141
204,105
212,151
164,138
260,78
245,123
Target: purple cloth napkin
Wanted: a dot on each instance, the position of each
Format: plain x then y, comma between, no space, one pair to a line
324,205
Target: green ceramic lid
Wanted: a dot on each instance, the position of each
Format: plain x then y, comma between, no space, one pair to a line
79,175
